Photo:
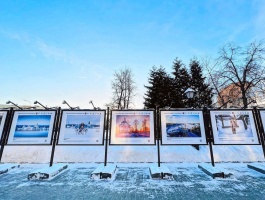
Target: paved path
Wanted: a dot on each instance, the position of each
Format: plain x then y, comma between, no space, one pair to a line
133,182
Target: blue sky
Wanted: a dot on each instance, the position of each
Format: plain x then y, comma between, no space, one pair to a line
68,50
33,120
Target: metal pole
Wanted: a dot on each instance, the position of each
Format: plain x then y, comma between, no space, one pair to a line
55,130
107,135
209,135
260,129
5,133
157,134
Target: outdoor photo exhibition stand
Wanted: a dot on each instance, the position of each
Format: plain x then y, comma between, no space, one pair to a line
5,116
33,128
129,127
260,121
81,127
232,127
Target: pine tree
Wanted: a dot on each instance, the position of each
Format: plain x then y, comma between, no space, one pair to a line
203,92
159,90
180,84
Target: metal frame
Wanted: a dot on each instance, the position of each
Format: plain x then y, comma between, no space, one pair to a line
137,110
254,118
183,109
32,144
80,110
3,133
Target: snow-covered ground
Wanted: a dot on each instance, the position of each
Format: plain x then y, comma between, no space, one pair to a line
133,180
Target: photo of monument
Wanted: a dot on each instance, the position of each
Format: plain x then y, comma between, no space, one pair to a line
233,125
132,126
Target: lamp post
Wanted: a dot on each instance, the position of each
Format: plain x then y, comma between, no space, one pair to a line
190,94
36,102
10,102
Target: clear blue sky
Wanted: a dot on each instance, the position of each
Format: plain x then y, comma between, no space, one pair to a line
56,50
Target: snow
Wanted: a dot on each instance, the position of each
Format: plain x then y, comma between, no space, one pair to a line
131,154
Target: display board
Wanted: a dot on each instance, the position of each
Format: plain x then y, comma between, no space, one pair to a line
233,127
132,127
32,127
180,127
82,127
3,114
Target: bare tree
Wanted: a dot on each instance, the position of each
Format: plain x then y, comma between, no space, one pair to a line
243,68
123,89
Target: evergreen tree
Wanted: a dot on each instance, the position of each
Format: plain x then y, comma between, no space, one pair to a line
203,92
159,90
180,84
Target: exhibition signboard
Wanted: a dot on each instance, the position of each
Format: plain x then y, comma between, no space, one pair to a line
82,127
32,127
3,114
182,127
132,127
233,127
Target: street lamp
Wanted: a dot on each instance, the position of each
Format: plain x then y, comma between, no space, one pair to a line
189,93
72,108
36,102
64,102
92,104
10,102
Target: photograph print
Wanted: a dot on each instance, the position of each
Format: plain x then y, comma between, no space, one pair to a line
132,127
234,127
82,127
182,127
31,127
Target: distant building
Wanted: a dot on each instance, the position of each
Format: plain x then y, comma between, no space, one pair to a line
233,93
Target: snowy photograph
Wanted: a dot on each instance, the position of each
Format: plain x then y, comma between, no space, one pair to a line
234,127
82,127
132,127
31,127
182,127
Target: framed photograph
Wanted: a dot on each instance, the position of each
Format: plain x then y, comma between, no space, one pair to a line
182,127
82,127
132,127
32,127
3,114
233,127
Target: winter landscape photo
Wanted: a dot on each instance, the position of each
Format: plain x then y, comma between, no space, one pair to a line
182,127
234,127
135,127
132,126
81,127
31,127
